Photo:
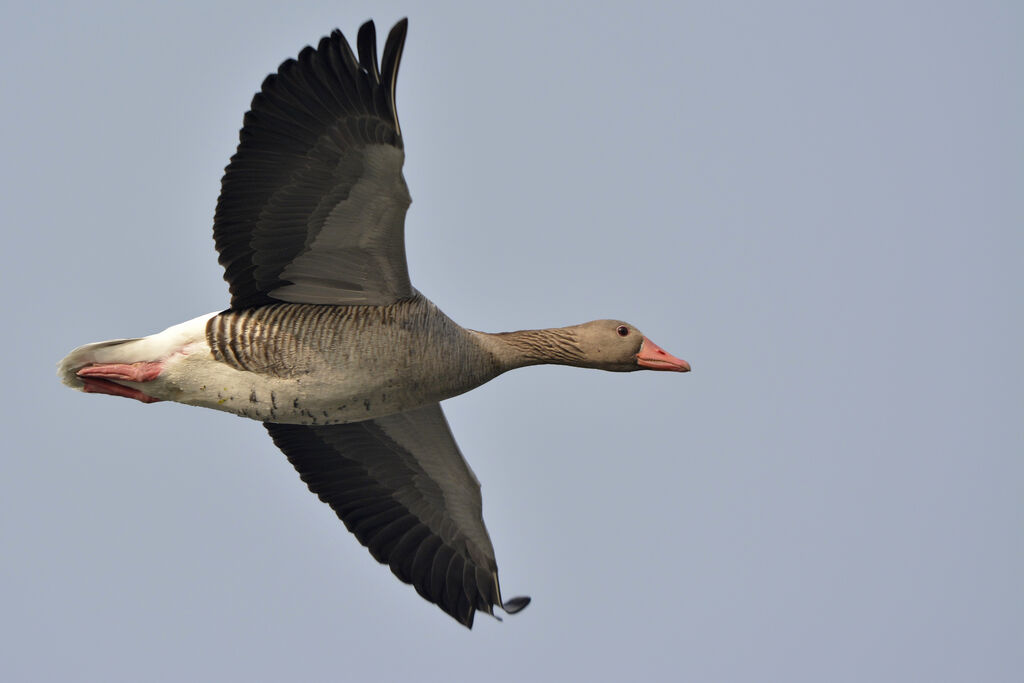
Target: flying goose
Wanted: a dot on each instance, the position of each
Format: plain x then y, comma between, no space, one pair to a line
326,341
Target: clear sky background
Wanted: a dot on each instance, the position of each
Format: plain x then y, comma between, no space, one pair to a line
819,205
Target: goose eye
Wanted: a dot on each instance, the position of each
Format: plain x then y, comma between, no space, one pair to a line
622,330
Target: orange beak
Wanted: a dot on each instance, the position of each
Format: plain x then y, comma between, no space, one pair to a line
654,357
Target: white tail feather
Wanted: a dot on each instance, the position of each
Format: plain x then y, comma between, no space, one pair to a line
155,347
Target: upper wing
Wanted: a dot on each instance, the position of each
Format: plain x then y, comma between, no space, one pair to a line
400,484
312,206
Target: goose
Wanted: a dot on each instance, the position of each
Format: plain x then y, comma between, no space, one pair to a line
326,341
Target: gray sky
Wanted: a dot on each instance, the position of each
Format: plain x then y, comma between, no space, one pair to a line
817,204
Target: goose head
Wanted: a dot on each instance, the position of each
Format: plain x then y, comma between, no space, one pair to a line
617,346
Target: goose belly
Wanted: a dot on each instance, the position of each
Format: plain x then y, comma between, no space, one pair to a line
200,380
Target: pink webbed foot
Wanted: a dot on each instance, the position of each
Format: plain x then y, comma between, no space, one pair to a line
104,386
97,379
142,371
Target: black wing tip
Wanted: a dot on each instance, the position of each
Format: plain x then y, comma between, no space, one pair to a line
516,604
390,61
399,30
368,26
512,606
366,45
